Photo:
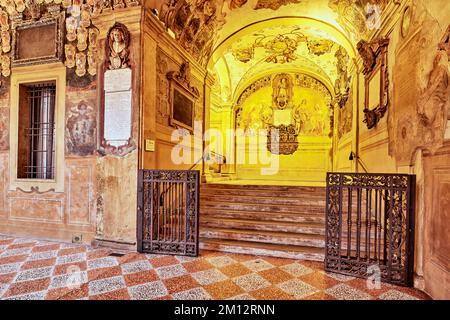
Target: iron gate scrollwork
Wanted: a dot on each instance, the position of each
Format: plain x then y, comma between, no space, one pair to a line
168,207
370,226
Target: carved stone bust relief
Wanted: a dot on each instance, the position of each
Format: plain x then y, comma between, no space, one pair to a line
118,42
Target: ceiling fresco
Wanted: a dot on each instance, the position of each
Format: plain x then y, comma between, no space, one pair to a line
247,39
289,47
201,26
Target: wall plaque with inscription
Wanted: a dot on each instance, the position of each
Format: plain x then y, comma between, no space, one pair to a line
117,118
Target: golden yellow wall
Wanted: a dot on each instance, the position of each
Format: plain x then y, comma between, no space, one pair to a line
308,164
163,55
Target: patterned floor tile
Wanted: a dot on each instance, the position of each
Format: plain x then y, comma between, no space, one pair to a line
244,296
7,278
220,261
163,261
235,270
297,288
134,279
71,258
13,259
43,255
3,288
197,265
106,285
192,294
121,294
345,292
185,258
209,276
319,296
33,264
258,265
21,288
137,266
148,291
70,251
47,247
251,282
181,283
319,280
223,289
99,253
171,271
275,275
131,257
20,245
337,276
396,295
68,293
70,267
34,274
271,293
296,269
15,252
102,263
29,296
32,269
103,273
69,280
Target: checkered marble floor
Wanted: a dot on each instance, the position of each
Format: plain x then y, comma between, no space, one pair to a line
33,269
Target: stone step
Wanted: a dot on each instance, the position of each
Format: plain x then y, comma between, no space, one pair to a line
307,240
244,199
274,188
313,209
239,224
261,193
263,216
263,249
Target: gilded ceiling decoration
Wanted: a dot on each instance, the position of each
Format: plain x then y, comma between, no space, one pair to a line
273,4
279,48
358,17
320,46
289,47
80,38
200,25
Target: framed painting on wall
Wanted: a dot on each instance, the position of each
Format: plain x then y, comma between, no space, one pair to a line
182,98
182,108
36,42
375,69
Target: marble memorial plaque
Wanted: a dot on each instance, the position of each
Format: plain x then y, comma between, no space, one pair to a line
117,129
117,117
117,80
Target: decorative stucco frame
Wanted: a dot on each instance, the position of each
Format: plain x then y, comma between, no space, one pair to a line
38,73
57,21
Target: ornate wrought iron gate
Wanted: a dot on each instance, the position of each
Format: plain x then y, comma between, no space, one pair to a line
168,206
370,226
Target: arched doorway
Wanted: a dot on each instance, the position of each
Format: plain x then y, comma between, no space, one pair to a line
276,85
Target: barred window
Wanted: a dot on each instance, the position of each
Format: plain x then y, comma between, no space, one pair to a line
36,144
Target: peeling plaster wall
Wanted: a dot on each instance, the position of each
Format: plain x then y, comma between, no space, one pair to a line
99,196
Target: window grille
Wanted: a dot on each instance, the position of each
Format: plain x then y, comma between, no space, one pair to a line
41,131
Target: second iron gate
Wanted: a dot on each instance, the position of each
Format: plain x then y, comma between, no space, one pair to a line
370,226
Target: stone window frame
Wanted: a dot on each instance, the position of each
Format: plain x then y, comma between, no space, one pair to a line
30,74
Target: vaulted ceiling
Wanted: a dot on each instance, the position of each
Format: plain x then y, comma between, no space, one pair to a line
241,40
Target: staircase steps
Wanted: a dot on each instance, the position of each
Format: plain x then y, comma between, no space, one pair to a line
263,216
255,225
264,249
281,221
